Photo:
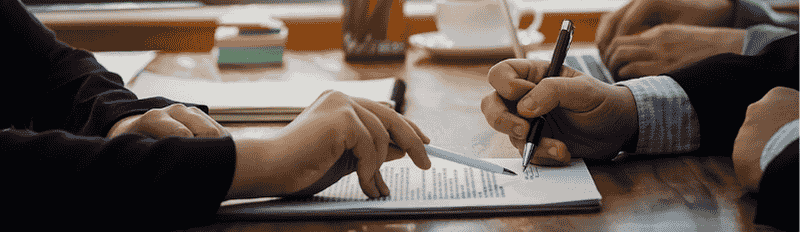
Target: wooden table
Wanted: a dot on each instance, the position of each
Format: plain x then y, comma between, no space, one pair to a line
443,98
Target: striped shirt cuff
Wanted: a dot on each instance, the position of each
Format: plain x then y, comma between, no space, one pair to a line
779,141
667,121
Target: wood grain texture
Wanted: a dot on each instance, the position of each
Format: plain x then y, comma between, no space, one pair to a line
642,193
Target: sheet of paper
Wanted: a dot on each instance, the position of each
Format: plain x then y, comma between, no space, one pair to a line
258,94
126,64
447,186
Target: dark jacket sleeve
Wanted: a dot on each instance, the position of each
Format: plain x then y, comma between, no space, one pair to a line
60,171
721,87
56,180
50,85
778,191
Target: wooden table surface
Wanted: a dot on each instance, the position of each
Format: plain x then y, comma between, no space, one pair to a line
443,97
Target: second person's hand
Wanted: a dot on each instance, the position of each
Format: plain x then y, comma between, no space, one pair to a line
667,47
586,117
641,15
173,120
334,136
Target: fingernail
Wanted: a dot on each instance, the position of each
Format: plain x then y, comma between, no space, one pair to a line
553,152
526,102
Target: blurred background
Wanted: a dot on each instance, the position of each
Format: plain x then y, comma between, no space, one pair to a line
313,24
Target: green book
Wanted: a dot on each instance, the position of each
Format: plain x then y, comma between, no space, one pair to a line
250,55
250,46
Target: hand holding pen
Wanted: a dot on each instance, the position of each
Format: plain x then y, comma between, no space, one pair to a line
534,137
585,117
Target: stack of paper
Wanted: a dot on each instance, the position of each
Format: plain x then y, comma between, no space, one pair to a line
446,188
258,101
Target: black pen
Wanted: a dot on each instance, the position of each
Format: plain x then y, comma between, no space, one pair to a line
559,54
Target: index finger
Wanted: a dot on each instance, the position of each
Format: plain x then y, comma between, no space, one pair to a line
513,78
401,132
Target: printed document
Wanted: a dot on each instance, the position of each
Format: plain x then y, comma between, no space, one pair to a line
447,187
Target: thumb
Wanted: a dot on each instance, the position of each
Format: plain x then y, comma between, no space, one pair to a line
551,152
580,94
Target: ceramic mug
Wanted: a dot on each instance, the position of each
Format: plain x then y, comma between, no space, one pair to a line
480,23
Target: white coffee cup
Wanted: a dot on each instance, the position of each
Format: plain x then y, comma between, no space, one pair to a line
480,23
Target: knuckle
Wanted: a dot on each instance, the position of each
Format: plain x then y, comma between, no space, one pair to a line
753,108
334,96
548,84
661,29
334,93
484,105
487,103
777,91
196,110
176,106
152,114
497,124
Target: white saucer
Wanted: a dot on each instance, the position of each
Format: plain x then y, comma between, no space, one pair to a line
440,45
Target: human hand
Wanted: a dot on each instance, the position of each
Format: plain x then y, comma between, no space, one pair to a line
763,118
173,120
333,137
668,47
641,15
586,117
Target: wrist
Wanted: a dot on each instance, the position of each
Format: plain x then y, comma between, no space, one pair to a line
630,119
732,40
255,174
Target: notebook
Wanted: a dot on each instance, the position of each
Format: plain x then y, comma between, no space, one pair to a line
262,101
446,188
585,60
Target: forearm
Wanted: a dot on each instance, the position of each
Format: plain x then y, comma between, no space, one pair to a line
172,182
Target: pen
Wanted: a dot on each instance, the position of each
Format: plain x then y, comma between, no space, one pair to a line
466,160
559,54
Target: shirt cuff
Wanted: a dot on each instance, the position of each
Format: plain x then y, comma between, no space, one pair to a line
753,12
779,141
667,121
759,36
